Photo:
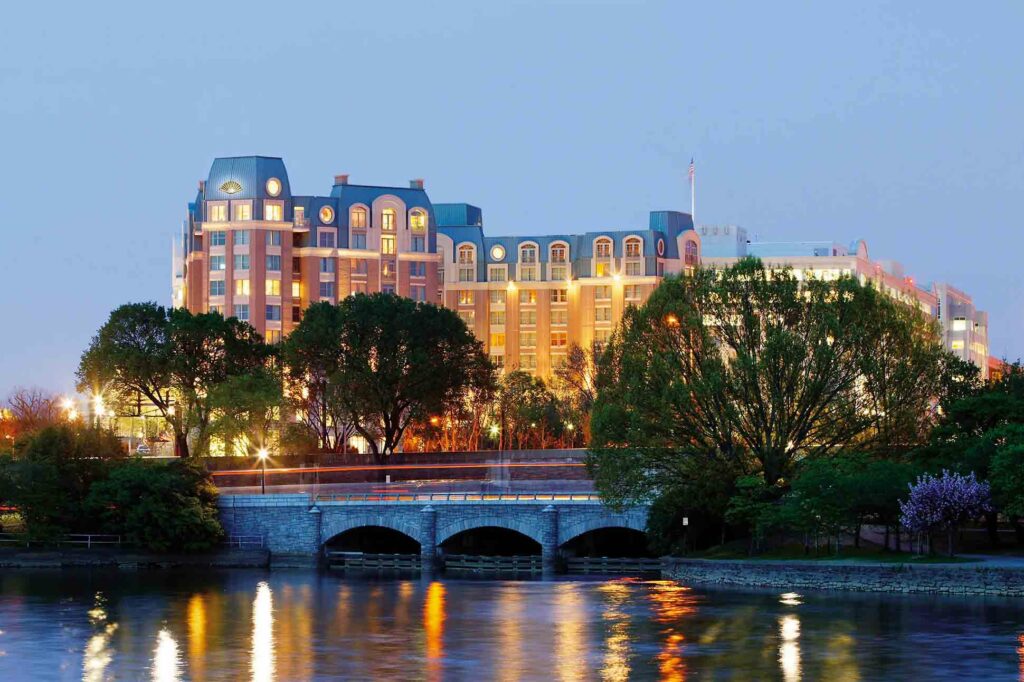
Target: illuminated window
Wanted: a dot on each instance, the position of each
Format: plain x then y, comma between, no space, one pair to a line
418,220
273,313
218,212
528,317
387,244
241,287
241,237
497,317
959,324
299,213
296,290
387,269
274,263
273,336
466,297
559,339
527,296
357,217
528,339
559,317
496,273
216,287
602,269
497,297
632,248
274,212
603,248
387,219
241,311
957,345
241,261
217,263
527,361
558,253
218,238
497,340
559,295
273,287
273,238
242,211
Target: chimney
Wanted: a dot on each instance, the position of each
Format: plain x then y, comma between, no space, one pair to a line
416,184
341,179
202,186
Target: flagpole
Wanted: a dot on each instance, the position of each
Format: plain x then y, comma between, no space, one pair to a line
693,191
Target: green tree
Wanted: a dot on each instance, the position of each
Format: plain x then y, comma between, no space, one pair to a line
575,384
174,359
51,474
753,366
247,411
161,507
378,362
527,411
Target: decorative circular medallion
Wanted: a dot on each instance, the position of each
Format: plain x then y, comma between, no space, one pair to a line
497,252
661,247
273,187
326,215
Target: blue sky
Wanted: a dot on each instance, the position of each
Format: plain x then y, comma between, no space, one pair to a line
894,123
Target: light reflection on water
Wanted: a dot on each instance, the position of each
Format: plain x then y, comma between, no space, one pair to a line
309,626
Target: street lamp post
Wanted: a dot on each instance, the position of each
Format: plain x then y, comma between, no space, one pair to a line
262,454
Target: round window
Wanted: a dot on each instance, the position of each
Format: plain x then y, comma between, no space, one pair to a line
661,247
273,187
327,215
497,252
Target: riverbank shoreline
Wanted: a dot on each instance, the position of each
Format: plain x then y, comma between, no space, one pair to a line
979,578
19,558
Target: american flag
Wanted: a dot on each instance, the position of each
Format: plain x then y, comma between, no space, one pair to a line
693,170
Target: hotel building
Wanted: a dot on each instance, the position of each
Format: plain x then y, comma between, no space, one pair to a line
252,249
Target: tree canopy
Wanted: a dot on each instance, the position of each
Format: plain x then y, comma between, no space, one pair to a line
759,368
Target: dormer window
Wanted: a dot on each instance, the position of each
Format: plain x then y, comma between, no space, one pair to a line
467,259
418,220
387,219
603,248
558,253
633,248
218,212
242,211
357,217
273,212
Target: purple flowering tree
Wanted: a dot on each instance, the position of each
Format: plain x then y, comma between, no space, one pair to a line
943,503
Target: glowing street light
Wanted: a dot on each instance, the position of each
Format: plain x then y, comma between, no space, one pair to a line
263,454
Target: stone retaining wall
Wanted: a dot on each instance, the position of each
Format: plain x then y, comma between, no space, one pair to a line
961,578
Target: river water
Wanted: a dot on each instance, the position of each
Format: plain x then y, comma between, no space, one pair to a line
304,625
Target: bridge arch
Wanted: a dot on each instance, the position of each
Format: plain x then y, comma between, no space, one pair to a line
572,530
528,528
336,524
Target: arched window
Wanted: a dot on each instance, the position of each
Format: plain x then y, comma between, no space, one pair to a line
387,219
603,248
559,253
357,217
633,247
418,220
528,263
690,253
467,255
528,254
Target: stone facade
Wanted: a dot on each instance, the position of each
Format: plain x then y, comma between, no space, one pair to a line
957,578
293,524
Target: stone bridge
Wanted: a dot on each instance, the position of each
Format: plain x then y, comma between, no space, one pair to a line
301,524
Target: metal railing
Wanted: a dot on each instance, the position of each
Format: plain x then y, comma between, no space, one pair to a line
244,541
88,540
458,497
